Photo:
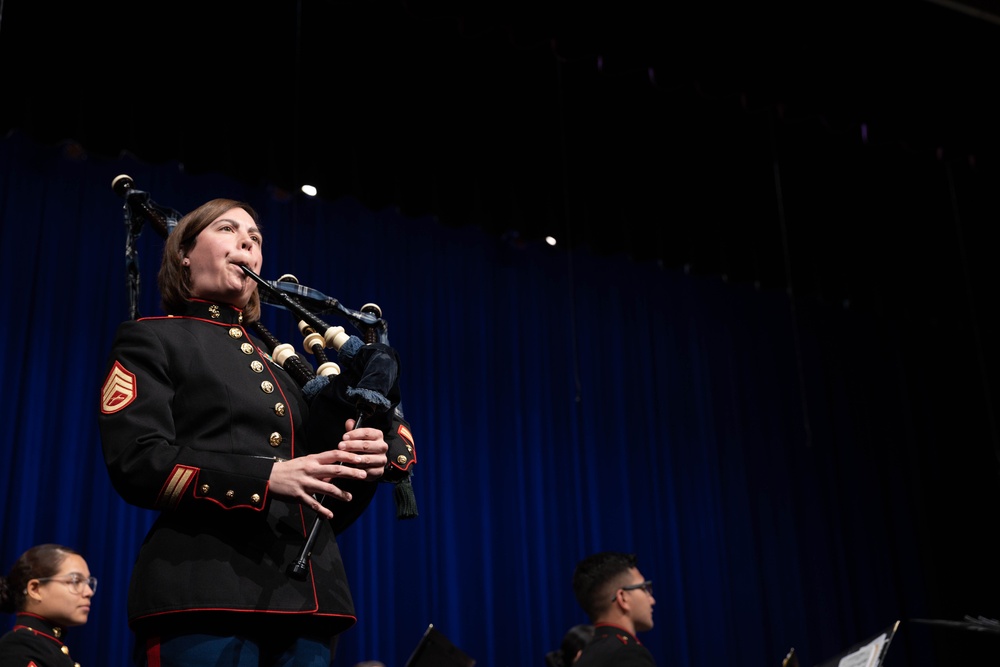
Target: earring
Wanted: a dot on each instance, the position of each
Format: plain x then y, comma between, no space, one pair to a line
186,262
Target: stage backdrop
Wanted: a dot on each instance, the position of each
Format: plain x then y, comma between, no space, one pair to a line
791,473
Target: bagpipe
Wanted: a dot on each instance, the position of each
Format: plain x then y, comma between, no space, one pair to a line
370,359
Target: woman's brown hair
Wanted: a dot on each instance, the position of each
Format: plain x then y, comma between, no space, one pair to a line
174,278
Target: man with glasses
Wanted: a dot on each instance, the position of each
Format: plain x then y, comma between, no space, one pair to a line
619,602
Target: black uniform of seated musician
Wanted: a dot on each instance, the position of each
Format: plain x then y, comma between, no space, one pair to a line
198,423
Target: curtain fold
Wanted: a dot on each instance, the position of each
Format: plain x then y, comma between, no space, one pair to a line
788,473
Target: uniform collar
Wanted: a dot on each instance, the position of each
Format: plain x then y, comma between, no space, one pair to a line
39,624
611,630
216,312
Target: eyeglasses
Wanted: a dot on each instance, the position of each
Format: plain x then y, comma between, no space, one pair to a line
75,582
645,586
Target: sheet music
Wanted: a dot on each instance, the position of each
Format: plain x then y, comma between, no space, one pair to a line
866,656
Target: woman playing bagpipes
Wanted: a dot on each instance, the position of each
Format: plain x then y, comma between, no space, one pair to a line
244,464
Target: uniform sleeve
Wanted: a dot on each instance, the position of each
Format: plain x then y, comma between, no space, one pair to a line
402,453
147,465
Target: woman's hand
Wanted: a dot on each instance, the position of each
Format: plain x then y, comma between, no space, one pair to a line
367,447
360,455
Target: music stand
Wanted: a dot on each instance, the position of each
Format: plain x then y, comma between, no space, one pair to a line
436,650
868,653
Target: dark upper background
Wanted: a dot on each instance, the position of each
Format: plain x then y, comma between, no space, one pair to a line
663,131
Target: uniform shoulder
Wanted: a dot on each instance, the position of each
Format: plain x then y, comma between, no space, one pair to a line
615,646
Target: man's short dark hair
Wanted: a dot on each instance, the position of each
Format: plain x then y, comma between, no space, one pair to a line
594,578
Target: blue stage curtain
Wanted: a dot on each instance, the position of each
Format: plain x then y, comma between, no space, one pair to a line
789,472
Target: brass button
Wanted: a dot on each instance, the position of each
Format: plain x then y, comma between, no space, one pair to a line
256,366
255,498
213,310
235,332
400,459
275,439
65,649
247,348
204,488
266,387
279,409
230,493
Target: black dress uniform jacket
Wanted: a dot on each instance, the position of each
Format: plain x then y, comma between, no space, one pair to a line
193,416
34,641
614,646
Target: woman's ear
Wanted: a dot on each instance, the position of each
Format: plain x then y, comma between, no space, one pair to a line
31,591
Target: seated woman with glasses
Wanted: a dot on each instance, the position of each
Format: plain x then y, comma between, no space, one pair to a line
49,588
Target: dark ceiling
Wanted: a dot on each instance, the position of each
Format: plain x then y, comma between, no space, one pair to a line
737,139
